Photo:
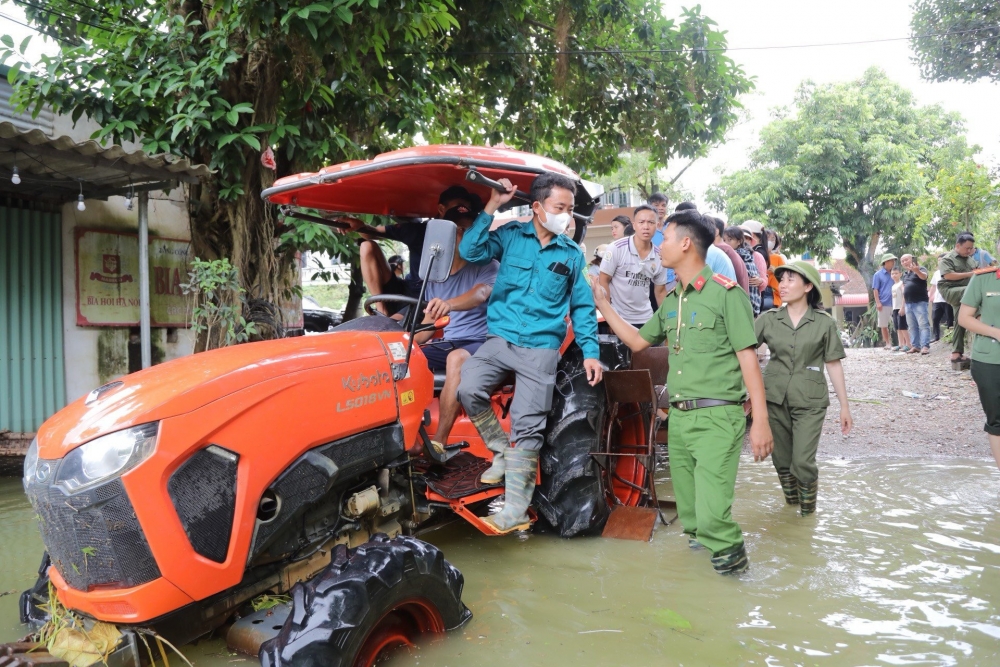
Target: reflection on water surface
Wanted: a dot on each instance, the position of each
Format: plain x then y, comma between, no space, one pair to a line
900,566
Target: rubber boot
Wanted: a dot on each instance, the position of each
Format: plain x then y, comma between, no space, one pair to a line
731,561
496,441
789,486
519,480
807,497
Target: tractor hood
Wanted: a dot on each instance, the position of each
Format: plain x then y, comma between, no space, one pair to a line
191,382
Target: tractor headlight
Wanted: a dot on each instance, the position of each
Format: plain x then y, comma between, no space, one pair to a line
30,462
106,457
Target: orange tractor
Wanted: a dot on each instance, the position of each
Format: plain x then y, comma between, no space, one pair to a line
172,498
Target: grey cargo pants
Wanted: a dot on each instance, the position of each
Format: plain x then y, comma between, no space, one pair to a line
535,370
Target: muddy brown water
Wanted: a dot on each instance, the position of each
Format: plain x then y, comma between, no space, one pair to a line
900,566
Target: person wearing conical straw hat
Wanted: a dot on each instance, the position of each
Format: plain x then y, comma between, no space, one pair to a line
802,339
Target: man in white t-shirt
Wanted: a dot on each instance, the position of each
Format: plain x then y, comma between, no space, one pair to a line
942,310
630,265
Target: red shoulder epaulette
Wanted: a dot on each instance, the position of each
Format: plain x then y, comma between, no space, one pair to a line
728,283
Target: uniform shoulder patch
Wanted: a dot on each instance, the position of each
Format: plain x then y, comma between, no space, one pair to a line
825,312
728,283
986,269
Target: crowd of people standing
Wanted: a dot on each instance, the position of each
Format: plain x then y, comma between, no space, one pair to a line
728,293
715,296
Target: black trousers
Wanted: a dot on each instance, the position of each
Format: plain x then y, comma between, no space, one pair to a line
943,312
987,379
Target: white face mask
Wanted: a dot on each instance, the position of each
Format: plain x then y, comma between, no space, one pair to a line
556,222
770,245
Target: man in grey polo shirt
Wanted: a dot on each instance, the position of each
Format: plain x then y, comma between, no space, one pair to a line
630,265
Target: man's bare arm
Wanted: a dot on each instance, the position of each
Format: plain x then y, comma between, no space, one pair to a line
968,320
625,331
605,282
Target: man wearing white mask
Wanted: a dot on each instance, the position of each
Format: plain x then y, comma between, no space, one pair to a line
541,280
630,266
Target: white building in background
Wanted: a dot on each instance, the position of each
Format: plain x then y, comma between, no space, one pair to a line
68,265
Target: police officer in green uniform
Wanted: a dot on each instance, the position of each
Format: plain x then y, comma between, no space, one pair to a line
982,298
956,269
708,327
802,338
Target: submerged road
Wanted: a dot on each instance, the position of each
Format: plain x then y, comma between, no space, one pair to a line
899,566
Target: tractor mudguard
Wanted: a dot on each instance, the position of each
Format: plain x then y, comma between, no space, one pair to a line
571,496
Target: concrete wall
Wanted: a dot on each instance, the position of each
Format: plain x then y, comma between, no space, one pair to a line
95,355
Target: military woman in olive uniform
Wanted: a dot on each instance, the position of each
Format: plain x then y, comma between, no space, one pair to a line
802,338
707,325
982,298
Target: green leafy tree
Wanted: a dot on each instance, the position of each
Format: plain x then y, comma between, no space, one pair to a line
845,166
329,80
216,287
961,196
957,40
638,171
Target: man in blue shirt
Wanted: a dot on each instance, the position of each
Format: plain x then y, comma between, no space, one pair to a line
984,258
541,280
462,297
659,202
882,287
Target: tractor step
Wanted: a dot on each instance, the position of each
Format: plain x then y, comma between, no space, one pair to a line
459,477
247,634
27,654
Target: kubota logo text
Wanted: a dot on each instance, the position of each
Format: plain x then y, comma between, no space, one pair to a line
360,401
363,381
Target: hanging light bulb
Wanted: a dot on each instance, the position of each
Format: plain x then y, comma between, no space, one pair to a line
80,206
15,178
131,193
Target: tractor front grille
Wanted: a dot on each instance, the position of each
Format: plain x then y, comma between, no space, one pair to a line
93,537
203,491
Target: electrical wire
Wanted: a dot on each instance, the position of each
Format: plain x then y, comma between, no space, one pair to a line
694,49
63,16
100,12
34,29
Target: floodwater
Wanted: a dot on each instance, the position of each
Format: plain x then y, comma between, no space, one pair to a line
900,566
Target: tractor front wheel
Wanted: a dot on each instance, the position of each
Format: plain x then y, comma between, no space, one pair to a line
368,602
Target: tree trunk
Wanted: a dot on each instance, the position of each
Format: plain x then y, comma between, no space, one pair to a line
243,229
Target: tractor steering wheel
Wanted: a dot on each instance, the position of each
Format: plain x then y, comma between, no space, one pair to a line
379,298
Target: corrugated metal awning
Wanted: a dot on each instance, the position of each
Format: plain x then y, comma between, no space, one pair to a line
851,300
55,168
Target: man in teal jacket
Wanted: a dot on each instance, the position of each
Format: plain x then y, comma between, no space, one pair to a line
541,280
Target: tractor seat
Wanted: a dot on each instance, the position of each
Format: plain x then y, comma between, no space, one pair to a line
439,377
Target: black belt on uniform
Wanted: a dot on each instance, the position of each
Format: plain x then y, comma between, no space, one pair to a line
697,403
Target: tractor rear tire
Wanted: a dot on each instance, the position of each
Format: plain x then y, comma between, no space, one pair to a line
571,496
367,602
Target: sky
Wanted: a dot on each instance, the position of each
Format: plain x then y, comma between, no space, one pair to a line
756,23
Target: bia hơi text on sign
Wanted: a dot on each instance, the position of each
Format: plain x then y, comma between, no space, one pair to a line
107,280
